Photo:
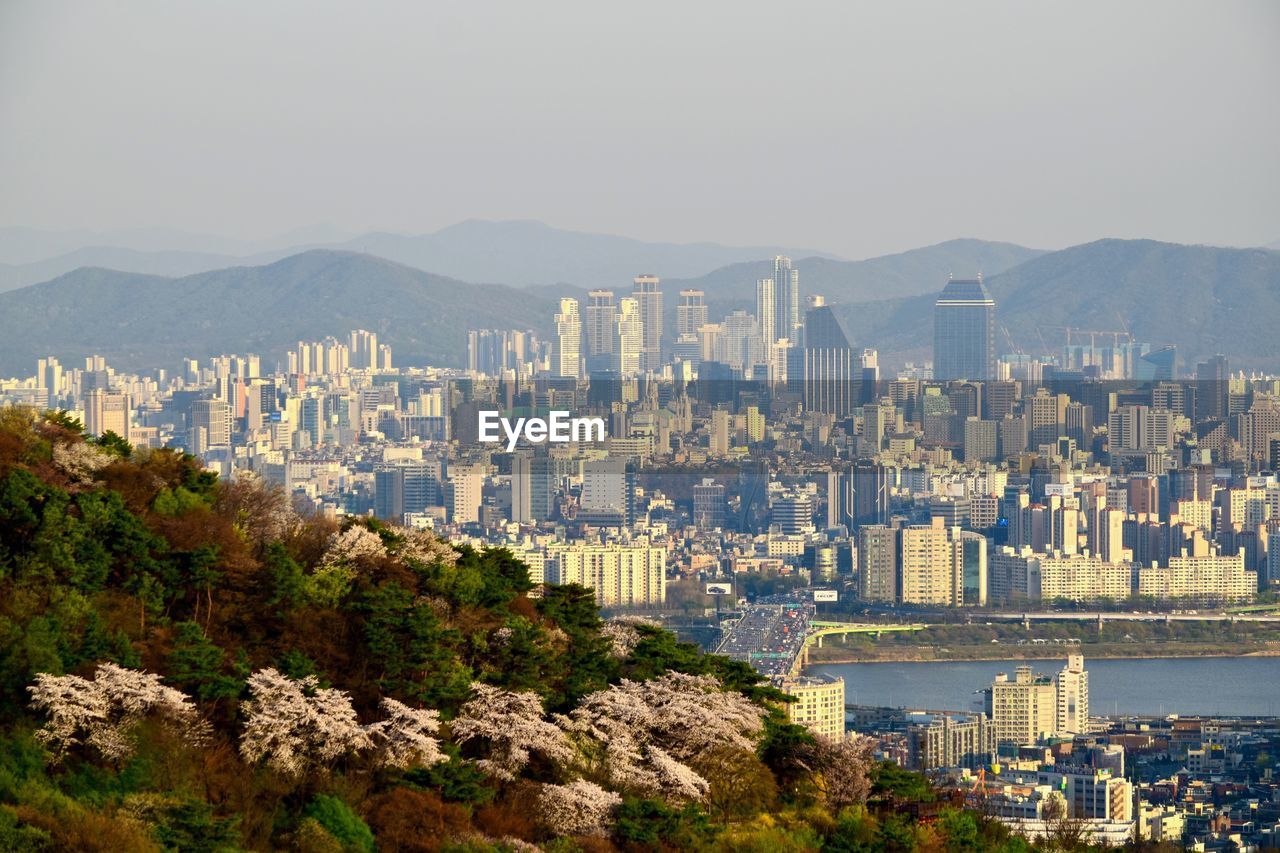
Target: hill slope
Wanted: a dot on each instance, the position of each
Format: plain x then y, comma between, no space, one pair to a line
188,664
142,321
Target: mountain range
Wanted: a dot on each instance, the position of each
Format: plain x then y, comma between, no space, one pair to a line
143,321
1201,299
519,253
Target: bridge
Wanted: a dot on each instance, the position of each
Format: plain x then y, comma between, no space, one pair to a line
820,629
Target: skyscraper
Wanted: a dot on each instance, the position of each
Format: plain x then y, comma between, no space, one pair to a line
568,352
628,344
786,291
1211,388
649,298
691,313
778,304
831,365
767,311
106,411
964,331
599,326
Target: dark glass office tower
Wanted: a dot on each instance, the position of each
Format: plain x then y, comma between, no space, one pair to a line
832,370
964,331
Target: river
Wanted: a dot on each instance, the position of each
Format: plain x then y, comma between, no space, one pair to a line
1240,686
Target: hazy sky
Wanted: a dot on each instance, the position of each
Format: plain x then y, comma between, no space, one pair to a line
851,127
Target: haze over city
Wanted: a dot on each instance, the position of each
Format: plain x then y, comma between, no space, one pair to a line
849,128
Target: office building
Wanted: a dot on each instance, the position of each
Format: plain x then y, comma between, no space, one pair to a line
831,365
964,331
108,411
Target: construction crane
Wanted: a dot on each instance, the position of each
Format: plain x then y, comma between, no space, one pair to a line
1008,337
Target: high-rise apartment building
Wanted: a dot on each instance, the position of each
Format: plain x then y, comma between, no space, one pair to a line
1072,685
648,297
567,361
964,331
931,566
620,575
628,344
600,329
878,563
818,705
778,305
691,313
1024,709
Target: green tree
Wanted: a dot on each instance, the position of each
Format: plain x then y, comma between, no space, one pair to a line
196,665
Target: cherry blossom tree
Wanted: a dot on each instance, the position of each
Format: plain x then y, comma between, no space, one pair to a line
297,725
509,729
842,769
621,636
80,460
578,808
640,735
404,739
102,712
353,545
426,548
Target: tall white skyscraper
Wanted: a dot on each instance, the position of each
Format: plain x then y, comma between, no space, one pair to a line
767,311
778,304
786,294
629,339
649,298
567,359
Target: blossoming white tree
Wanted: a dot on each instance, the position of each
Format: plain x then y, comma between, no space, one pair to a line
352,545
426,548
102,712
80,460
843,769
509,729
404,739
578,808
296,725
640,735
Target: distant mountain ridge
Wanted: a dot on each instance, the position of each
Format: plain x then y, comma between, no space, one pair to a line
1202,299
903,274
142,321
520,253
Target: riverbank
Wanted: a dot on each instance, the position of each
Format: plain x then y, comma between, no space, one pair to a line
834,653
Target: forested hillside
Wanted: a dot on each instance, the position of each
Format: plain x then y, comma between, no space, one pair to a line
189,664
